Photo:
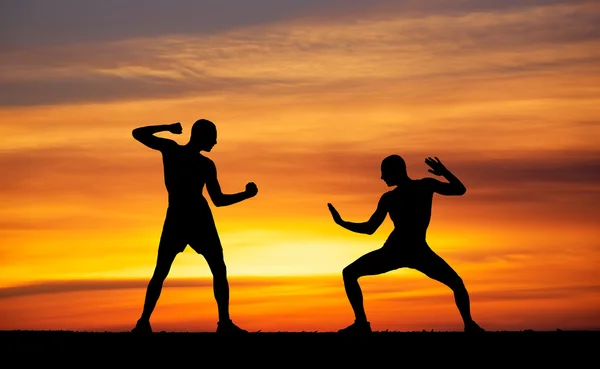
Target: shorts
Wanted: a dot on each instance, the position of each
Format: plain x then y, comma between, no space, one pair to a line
190,226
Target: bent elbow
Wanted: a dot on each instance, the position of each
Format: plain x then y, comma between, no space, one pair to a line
218,201
136,134
462,191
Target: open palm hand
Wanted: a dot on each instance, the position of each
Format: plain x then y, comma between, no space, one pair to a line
334,213
437,168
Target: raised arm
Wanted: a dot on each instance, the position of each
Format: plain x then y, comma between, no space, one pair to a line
453,187
370,226
146,135
218,197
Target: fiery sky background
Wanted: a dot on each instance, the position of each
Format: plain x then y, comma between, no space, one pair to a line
308,97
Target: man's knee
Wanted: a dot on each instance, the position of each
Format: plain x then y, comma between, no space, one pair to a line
163,266
218,268
456,283
160,274
220,271
350,273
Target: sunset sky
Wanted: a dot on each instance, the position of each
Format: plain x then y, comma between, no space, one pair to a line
308,97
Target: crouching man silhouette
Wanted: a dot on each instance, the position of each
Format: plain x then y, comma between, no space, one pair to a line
409,206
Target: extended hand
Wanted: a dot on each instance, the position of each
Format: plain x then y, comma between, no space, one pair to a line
334,213
251,189
437,167
175,128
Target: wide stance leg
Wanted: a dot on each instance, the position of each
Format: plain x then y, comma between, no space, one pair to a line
163,266
169,246
217,266
433,266
372,263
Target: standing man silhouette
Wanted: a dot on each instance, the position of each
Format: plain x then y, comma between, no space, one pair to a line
189,220
409,206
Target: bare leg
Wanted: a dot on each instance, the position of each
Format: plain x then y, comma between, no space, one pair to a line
170,244
372,263
163,266
436,268
216,263
217,266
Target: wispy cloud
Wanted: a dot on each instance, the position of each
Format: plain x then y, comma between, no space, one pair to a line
387,287
52,287
69,172
34,22
295,304
324,57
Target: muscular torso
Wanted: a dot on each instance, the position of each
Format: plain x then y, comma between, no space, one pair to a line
186,172
409,207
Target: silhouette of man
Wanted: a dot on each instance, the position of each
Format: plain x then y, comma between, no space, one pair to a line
409,206
189,220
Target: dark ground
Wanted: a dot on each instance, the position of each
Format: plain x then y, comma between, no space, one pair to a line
85,349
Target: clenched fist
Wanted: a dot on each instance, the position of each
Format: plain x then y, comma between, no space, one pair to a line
251,189
175,128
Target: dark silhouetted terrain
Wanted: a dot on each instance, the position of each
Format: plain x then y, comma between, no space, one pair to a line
83,349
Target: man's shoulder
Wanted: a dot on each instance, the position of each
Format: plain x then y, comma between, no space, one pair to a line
207,161
427,184
387,195
427,181
170,147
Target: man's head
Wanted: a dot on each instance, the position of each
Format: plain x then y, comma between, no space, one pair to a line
204,135
393,170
